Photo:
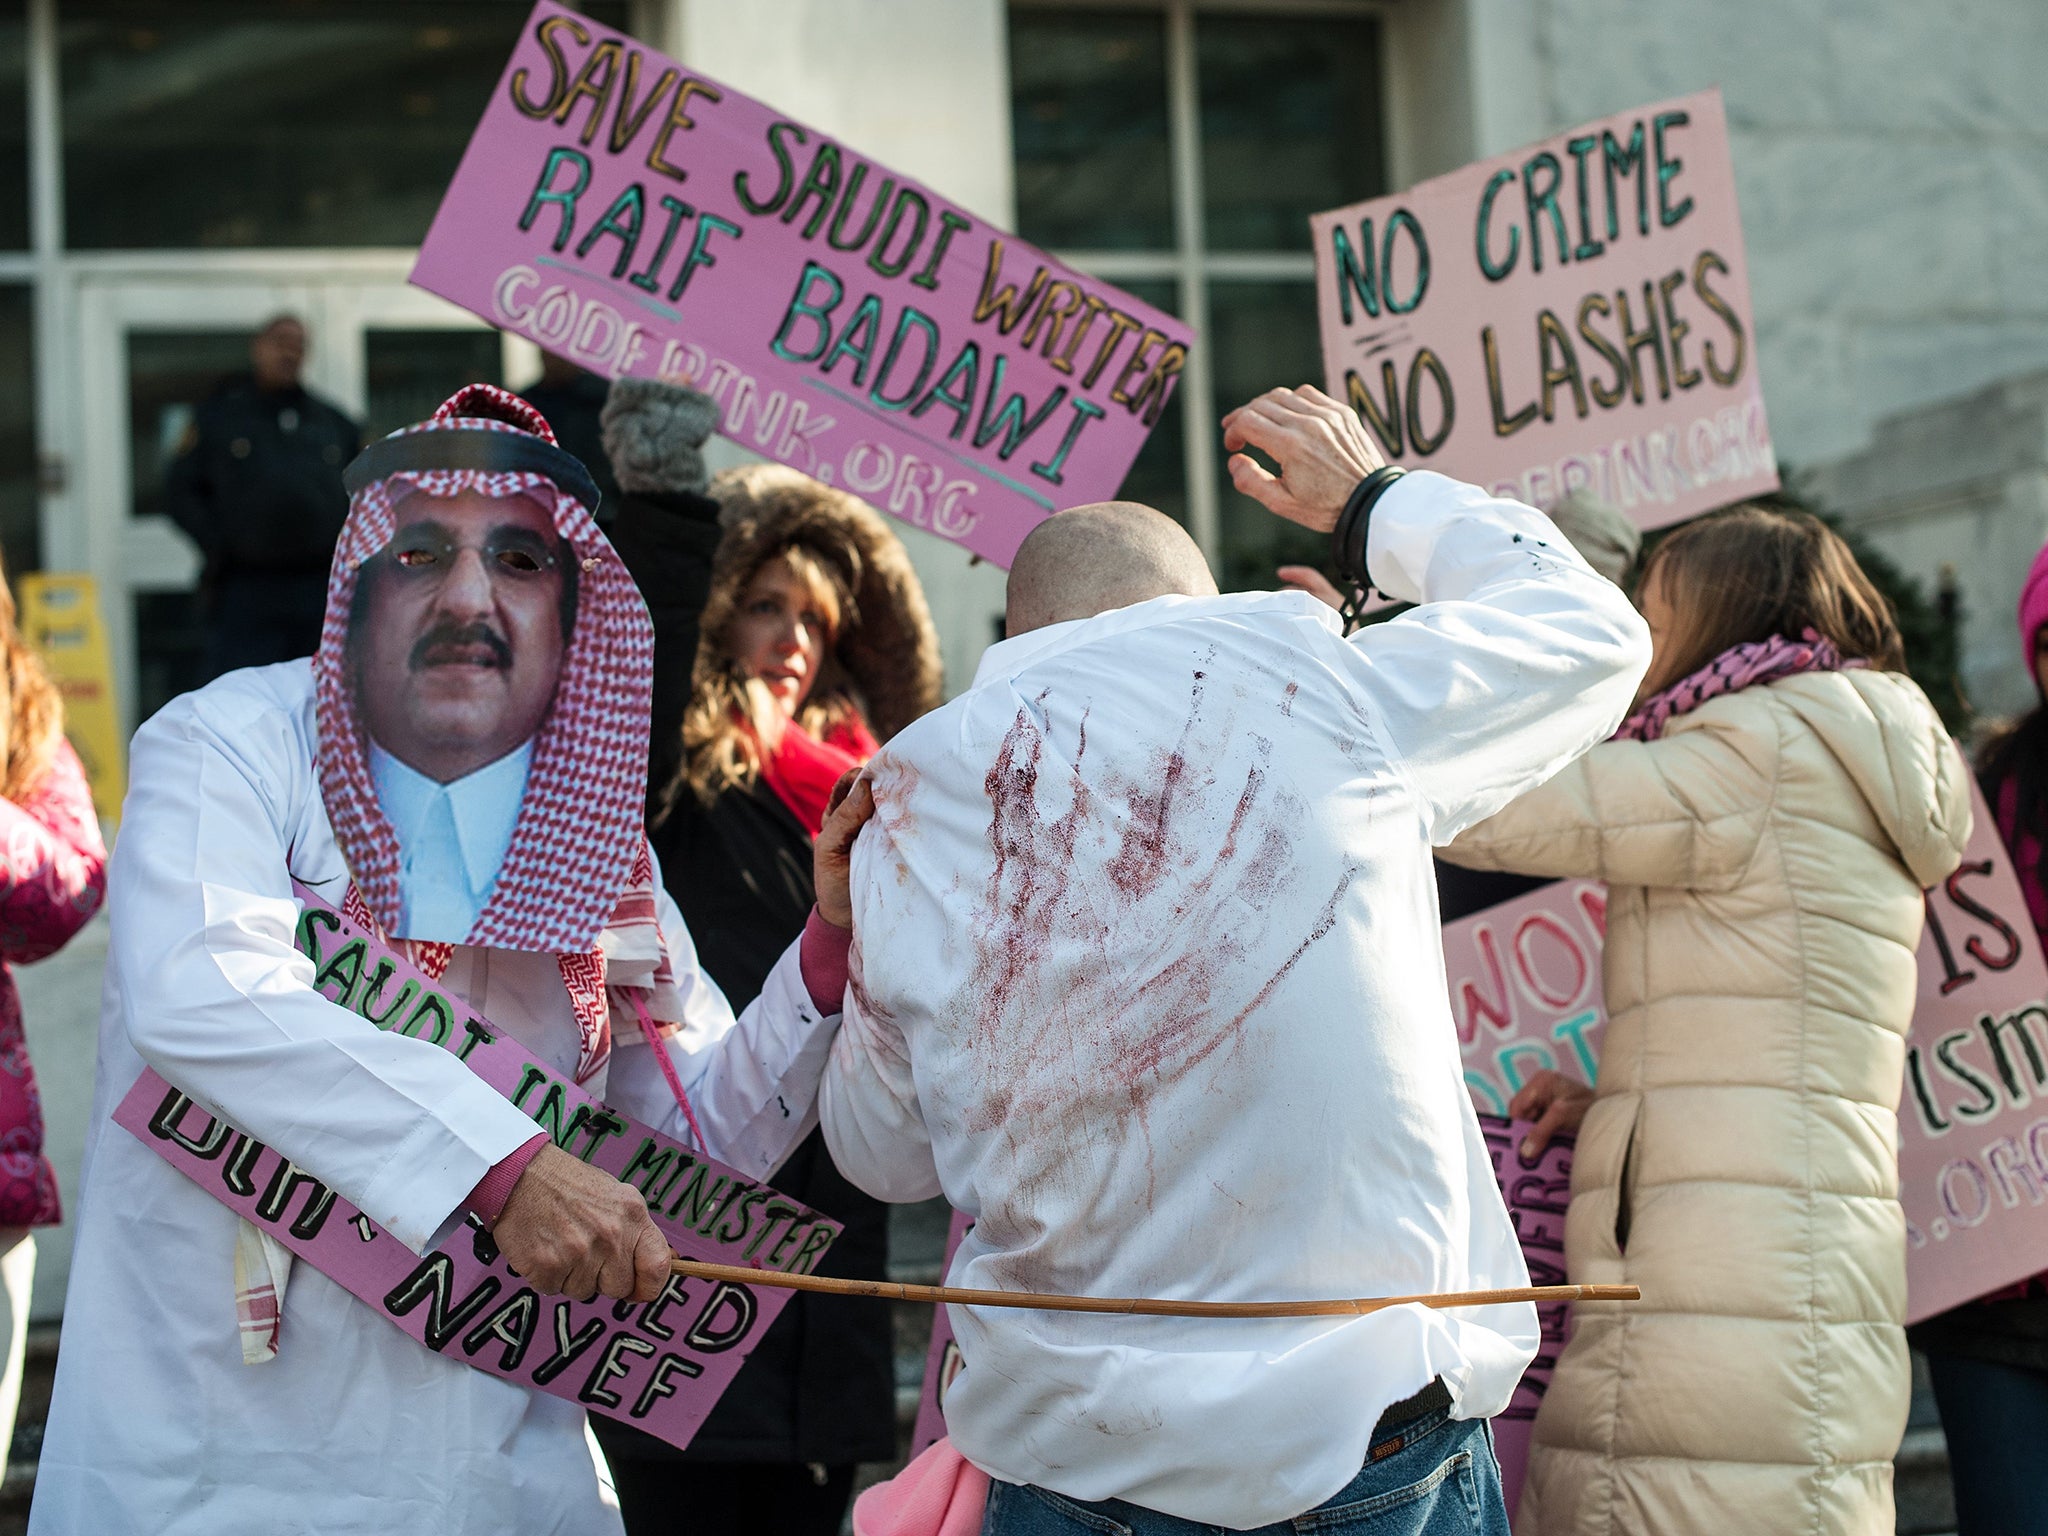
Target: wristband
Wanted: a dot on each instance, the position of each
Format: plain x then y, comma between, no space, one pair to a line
1348,538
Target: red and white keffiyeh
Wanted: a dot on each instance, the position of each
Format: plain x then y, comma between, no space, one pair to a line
580,825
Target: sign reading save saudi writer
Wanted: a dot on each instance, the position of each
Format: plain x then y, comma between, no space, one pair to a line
1571,316
629,214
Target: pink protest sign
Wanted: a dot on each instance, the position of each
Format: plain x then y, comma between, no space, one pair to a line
622,210
659,1366
1537,1194
1973,1160
1973,1119
942,1361
1572,315
1525,989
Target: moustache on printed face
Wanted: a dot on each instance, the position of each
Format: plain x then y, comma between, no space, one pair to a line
461,645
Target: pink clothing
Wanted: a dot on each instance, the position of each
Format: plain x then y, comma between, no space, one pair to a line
53,874
941,1493
487,1200
2034,603
1758,661
2024,847
825,958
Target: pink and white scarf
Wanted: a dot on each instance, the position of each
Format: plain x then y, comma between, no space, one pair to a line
1738,667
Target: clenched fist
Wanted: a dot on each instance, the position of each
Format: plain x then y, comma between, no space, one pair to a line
569,1229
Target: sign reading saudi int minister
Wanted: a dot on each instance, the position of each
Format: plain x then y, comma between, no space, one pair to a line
627,213
1571,316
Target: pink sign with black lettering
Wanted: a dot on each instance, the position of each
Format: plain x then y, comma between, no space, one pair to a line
659,1366
1574,315
1537,1194
624,211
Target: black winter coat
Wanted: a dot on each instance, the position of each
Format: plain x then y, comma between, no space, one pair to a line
257,482
819,1386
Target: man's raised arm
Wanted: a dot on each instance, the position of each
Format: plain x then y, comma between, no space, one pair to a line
1519,656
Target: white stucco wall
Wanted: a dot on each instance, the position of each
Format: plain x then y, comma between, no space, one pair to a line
1891,159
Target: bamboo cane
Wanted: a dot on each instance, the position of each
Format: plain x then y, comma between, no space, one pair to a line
1141,1306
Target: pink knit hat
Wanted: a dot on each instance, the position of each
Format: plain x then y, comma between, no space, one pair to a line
2034,604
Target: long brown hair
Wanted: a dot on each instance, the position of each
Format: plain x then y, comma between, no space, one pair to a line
31,712
1752,572
719,747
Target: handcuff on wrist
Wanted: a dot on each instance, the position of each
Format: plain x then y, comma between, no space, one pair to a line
1348,542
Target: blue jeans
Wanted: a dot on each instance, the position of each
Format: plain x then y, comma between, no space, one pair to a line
1443,1481
1996,1421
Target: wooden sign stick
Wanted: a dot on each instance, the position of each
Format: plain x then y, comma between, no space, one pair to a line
1139,1306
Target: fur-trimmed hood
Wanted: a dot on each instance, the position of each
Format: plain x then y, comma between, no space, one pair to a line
890,653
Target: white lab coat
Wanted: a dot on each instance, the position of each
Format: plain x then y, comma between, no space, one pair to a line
157,1426
1148,978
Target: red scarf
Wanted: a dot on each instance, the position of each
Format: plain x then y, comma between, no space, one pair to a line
802,769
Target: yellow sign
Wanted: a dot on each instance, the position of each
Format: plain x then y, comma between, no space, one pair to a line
60,617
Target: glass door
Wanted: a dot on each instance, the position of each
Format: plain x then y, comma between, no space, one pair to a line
154,350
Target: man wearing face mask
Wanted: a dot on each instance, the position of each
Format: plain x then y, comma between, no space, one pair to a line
460,772
457,641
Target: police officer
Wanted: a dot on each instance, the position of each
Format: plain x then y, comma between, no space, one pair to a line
257,485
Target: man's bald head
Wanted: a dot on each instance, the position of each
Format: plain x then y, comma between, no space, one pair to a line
1091,559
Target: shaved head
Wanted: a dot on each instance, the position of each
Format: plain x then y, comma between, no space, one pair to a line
1091,559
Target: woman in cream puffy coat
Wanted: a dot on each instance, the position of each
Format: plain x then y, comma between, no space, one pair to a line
1765,850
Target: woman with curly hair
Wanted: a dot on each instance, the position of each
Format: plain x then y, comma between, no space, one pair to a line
791,637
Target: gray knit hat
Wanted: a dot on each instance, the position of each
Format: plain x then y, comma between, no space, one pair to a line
1597,529
654,435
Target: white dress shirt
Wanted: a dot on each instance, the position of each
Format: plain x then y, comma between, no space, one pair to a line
354,1429
451,838
1148,978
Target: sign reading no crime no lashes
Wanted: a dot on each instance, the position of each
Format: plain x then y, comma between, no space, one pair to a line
1574,315
628,213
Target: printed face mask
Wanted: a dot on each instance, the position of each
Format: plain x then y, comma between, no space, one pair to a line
482,686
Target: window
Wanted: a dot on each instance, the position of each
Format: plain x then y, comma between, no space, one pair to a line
1177,149
13,125
19,542
271,122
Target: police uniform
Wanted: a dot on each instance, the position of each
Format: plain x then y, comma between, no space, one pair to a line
257,485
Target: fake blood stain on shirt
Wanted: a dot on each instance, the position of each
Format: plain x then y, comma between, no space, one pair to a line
1112,938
